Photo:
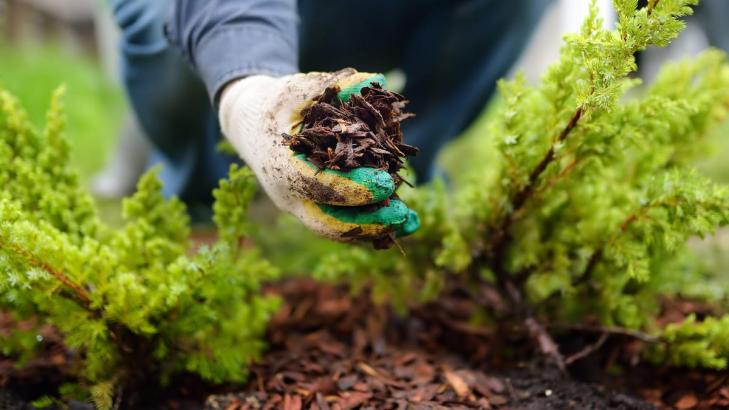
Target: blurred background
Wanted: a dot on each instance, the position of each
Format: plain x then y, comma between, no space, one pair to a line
47,43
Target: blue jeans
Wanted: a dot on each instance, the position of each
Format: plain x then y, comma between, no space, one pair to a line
451,51
712,16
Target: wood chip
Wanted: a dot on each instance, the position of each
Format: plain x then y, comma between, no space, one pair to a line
687,401
456,382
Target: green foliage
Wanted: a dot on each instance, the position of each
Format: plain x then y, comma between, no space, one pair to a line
587,204
43,403
694,343
137,301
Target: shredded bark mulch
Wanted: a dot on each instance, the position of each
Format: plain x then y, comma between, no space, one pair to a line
332,350
361,132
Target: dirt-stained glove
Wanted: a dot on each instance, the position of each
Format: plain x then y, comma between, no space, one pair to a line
256,110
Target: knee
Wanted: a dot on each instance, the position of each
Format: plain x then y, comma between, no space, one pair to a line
140,21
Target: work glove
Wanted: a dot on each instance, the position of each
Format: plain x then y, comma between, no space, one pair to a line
254,113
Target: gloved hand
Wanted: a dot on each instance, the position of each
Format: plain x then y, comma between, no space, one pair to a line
256,110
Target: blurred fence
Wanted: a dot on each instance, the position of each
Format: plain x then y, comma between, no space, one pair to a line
69,24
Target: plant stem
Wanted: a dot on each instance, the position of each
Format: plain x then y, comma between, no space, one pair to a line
613,330
595,258
500,235
496,255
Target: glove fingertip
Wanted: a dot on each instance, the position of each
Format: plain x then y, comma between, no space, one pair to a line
378,182
410,226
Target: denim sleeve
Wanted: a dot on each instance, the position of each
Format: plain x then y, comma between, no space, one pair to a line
228,39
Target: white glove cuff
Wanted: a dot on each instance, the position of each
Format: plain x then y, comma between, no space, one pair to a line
243,109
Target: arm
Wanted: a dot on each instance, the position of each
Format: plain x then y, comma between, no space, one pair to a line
228,39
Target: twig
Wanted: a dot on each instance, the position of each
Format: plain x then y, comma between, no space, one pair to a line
463,327
588,350
611,330
546,343
119,397
397,244
563,173
510,389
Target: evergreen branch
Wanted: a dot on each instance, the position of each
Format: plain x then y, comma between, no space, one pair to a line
525,193
79,293
494,253
597,256
499,238
652,5
562,174
586,275
498,246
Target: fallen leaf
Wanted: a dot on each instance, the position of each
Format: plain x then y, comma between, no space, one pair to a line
498,400
234,405
367,369
292,402
456,382
688,401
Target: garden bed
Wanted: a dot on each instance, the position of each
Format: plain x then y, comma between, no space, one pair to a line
331,350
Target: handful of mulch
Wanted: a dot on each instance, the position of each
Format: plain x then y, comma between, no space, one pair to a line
361,132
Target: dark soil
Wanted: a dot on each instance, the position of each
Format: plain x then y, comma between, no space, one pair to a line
332,350
361,132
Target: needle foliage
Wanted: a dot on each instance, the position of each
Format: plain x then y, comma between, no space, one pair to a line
583,212
132,302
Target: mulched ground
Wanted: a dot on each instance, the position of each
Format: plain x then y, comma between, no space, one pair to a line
331,350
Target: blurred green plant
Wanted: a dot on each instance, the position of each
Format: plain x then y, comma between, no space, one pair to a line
137,302
94,106
582,198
